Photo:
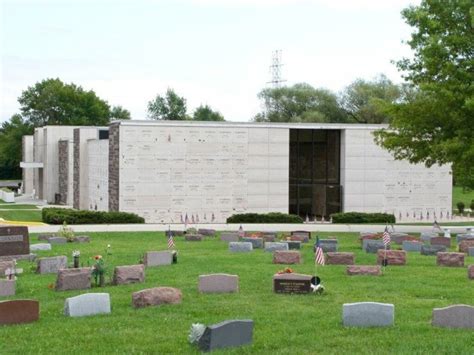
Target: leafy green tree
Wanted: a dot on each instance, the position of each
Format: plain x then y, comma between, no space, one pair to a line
436,126
51,102
11,133
168,107
364,101
205,113
299,103
119,113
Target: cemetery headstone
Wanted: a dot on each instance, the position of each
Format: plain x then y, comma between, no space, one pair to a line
81,239
19,311
293,244
291,283
364,270
400,238
240,247
218,283
470,251
45,237
257,243
73,279
129,274
14,241
207,232
340,258
432,249
450,259
272,246
299,238
156,296
229,237
174,233
158,258
470,272
51,265
465,245
269,237
393,257
456,316
40,247
461,237
7,287
368,314
426,236
286,257
328,245
373,246
230,333
57,240
88,304
441,241
412,246
193,237
302,233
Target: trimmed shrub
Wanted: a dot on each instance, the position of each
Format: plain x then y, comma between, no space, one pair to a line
272,217
460,205
361,217
61,215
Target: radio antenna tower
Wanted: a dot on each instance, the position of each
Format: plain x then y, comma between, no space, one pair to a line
275,69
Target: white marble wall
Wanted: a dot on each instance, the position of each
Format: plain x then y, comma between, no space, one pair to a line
374,182
98,178
28,156
206,173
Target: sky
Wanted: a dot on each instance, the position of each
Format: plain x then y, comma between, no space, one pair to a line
214,52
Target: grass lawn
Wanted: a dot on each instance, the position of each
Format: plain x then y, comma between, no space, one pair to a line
17,207
19,215
459,195
284,324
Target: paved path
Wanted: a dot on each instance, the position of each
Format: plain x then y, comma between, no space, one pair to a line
248,227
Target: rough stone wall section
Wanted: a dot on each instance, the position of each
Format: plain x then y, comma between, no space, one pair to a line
76,175
114,168
63,156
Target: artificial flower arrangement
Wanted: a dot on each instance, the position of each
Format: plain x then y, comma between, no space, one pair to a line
98,270
285,271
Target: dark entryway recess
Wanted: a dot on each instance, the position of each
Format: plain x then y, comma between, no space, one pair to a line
315,189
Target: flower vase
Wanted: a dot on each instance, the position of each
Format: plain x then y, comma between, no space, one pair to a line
101,280
76,262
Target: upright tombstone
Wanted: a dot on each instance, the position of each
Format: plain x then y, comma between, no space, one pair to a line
461,237
88,304
441,241
230,333
74,279
305,234
291,283
19,311
51,265
218,283
240,247
432,249
450,259
470,272
456,316
470,251
340,258
193,237
257,243
368,314
292,244
156,296
465,245
286,257
129,274
230,237
14,240
364,270
7,287
393,257
207,232
158,258
412,246
269,236
373,246
272,246
328,245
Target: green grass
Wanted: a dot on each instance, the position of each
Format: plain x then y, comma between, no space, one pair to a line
459,195
284,324
14,206
19,215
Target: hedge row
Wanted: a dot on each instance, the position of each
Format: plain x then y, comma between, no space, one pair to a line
272,217
361,217
61,215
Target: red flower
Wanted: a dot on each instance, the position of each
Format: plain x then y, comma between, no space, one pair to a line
97,257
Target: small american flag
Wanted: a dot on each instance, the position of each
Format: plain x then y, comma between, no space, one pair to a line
386,236
170,241
241,232
319,256
436,226
186,221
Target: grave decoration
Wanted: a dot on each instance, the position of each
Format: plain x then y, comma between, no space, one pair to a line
98,271
76,254
230,333
286,281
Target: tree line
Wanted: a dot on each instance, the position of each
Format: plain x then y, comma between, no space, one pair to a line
430,115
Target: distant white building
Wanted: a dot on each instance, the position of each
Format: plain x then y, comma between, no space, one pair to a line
167,170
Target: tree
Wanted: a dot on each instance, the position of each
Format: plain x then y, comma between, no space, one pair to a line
11,133
169,107
51,102
364,101
205,113
435,126
119,113
299,103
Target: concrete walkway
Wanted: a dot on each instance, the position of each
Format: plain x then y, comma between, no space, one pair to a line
247,227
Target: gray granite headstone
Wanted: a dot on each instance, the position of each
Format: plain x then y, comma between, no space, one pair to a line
218,283
229,237
237,247
456,316
426,236
7,288
272,246
57,240
87,304
257,243
51,265
158,258
432,249
293,244
470,251
230,333
40,246
373,246
368,314
328,245
461,237
412,246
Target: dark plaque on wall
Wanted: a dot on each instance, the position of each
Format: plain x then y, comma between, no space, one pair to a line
14,241
291,283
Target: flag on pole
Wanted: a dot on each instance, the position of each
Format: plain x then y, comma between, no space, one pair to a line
241,232
436,226
319,255
170,239
386,236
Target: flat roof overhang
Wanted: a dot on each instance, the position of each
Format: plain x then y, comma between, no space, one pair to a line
30,165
